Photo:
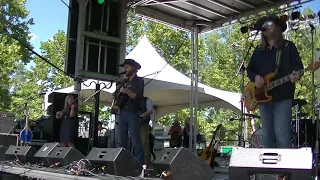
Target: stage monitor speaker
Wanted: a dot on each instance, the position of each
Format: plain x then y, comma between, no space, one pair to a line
44,151
64,156
246,163
22,153
118,161
3,150
182,164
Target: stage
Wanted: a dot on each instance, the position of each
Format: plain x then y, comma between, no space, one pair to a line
22,172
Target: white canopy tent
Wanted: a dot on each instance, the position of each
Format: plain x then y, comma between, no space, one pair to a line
168,89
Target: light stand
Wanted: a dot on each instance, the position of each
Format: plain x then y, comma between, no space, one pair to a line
241,70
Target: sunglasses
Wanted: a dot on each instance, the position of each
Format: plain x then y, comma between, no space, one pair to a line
267,23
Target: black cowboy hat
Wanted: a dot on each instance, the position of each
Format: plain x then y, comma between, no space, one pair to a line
274,18
132,63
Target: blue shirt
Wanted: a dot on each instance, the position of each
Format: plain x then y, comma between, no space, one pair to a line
149,104
263,62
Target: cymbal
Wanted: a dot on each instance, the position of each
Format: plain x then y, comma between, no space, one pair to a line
252,115
299,102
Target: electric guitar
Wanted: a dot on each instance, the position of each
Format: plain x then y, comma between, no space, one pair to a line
253,96
211,150
26,134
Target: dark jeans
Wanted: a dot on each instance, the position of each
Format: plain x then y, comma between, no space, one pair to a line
276,120
131,121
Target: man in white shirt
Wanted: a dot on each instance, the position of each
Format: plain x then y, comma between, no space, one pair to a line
145,117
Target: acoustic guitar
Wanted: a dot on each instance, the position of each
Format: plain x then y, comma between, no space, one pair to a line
26,134
253,96
209,152
121,98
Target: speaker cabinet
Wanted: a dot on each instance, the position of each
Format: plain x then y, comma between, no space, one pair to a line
118,161
3,150
182,164
9,139
22,153
44,151
64,156
246,163
104,39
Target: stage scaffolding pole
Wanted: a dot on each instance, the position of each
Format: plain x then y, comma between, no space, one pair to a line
194,89
196,77
191,92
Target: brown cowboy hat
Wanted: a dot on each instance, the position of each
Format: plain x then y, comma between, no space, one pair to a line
274,18
132,63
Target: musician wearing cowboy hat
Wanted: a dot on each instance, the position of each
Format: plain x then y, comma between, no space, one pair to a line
129,116
279,56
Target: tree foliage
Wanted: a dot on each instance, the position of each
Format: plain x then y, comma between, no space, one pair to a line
13,20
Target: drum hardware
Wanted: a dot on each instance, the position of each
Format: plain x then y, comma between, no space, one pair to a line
252,115
302,115
298,103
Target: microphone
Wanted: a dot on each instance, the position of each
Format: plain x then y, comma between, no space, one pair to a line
257,28
122,73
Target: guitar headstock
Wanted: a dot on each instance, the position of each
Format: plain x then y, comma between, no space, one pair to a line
312,67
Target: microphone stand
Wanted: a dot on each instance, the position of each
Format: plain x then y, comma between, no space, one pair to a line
312,31
241,70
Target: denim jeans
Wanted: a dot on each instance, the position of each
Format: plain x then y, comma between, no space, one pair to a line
131,121
276,120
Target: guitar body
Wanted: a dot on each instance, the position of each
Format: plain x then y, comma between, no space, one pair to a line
119,102
26,135
121,98
252,98
206,155
209,152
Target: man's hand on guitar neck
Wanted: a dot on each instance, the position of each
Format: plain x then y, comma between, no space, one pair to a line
259,81
294,77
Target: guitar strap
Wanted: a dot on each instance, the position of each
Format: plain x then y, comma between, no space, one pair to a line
278,56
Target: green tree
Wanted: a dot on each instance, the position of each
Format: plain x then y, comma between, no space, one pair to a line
13,19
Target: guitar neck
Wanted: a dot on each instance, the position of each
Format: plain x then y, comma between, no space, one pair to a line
27,122
281,81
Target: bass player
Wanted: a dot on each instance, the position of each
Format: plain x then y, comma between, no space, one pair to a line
279,56
129,116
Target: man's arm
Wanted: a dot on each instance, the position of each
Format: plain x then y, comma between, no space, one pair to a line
135,89
149,111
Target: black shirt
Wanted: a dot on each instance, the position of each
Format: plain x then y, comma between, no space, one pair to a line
263,62
137,87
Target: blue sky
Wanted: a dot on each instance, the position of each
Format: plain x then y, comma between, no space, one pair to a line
52,15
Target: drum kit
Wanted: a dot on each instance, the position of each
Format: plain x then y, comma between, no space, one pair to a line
303,131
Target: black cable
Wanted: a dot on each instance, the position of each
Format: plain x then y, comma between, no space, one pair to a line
38,55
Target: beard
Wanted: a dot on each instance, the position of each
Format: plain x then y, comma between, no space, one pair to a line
129,73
